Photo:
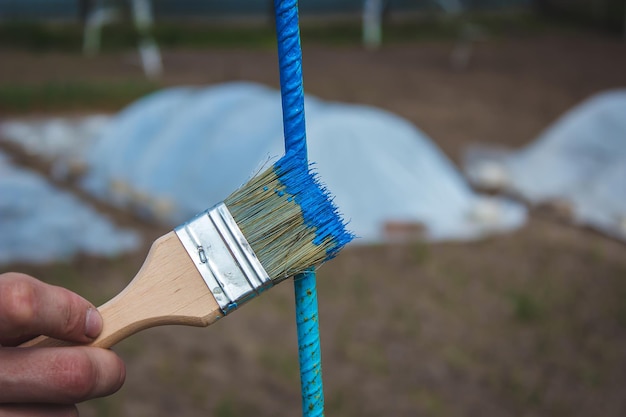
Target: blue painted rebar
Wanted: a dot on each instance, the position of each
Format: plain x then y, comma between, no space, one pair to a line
309,345
290,69
292,93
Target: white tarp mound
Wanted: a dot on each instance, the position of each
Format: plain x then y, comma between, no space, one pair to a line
40,223
579,160
62,141
177,152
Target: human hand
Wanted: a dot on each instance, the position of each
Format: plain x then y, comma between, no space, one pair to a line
49,381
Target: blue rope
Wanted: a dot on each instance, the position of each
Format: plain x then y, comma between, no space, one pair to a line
292,94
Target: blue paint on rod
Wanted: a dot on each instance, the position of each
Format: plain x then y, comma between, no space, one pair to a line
290,69
292,95
310,353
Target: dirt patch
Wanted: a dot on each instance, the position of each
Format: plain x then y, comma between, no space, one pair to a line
531,323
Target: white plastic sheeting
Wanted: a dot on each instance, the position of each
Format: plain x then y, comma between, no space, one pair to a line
179,151
40,223
382,169
122,143
580,160
56,138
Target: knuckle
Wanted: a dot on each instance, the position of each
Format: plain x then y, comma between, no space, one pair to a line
75,375
73,320
18,301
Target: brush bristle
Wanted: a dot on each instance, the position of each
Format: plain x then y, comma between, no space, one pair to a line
288,218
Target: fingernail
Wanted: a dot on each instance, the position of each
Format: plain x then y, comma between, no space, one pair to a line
93,323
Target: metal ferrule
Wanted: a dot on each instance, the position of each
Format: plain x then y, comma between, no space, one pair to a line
223,257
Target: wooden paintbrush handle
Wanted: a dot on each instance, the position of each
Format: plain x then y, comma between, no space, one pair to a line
168,289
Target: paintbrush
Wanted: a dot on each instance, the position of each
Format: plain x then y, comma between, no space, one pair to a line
280,223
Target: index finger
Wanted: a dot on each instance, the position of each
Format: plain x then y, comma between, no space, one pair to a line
29,307
65,375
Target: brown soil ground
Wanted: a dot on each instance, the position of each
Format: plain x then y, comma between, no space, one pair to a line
532,323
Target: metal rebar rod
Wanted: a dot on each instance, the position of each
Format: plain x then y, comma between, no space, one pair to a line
292,94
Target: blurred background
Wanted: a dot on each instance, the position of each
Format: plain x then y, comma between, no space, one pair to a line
478,148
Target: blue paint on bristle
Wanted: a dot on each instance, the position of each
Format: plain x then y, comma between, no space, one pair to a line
318,210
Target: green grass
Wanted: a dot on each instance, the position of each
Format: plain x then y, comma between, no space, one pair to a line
404,321
286,367
227,407
526,307
71,95
369,357
420,253
429,400
120,36
39,37
106,407
361,291
620,312
457,358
